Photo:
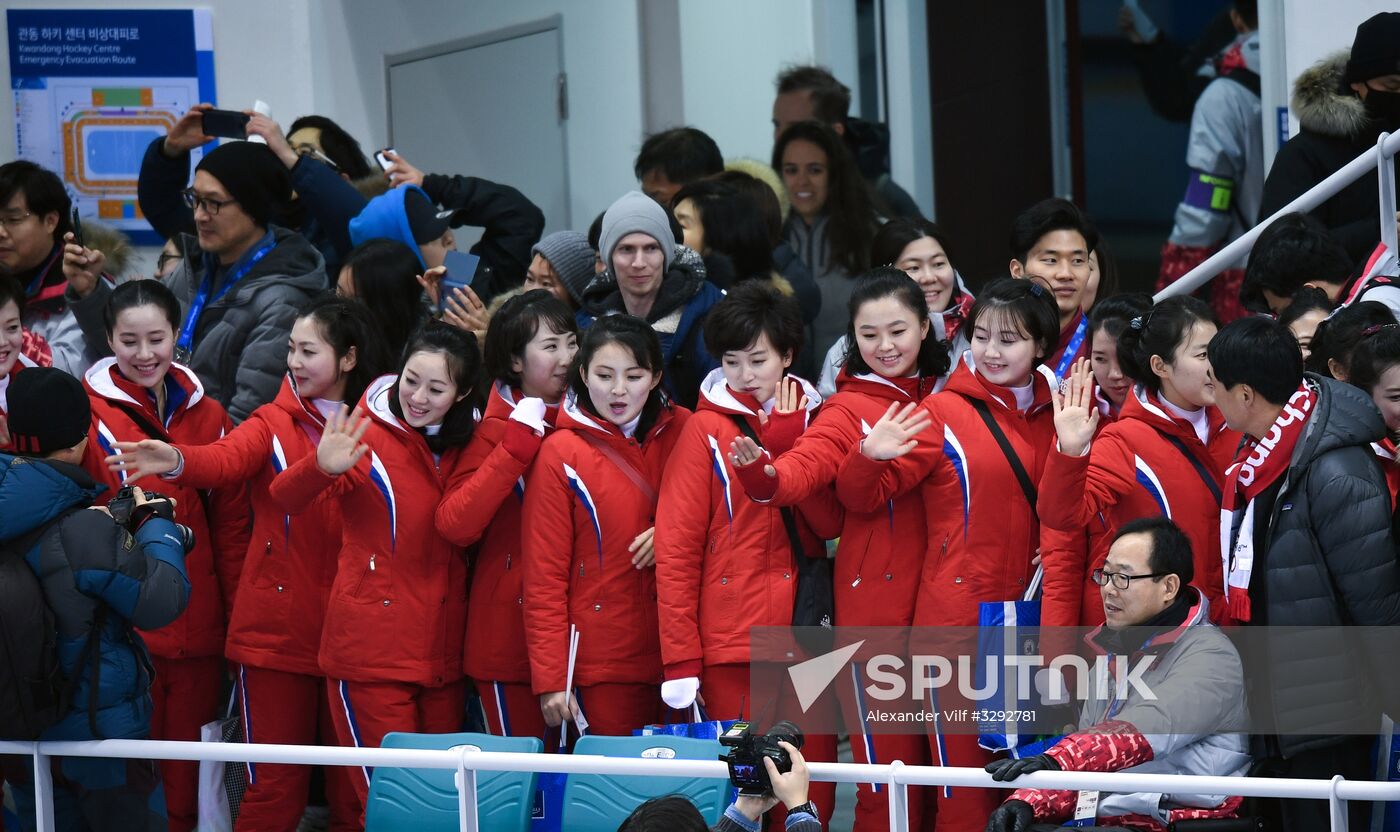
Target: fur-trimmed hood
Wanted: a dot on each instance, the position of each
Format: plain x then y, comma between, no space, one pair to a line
1326,105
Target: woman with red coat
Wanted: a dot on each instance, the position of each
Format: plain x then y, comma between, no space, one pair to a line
12,357
1165,455
140,393
274,634
894,361
1375,368
590,515
397,615
725,564
530,346
945,451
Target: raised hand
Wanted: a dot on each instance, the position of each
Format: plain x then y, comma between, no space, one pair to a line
82,266
465,311
431,281
147,457
893,436
744,452
401,172
340,447
271,132
188,132
790,399
1076,411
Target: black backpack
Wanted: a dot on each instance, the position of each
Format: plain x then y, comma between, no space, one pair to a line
33,693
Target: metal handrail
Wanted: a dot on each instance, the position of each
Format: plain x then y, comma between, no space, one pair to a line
1381,157
467,762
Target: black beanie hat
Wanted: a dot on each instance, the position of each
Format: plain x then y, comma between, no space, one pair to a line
1376,49
251,174
49,411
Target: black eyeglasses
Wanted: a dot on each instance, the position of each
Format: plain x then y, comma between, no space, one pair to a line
210,206
1121,580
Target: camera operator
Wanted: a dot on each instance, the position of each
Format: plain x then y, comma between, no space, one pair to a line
100,580
789,789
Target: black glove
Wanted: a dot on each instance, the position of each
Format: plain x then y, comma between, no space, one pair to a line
1011,816
1003,770
161,508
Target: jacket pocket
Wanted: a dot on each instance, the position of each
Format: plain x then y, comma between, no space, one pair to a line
375,584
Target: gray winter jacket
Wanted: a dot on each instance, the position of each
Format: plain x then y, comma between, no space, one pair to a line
1328,562
240,343
814,248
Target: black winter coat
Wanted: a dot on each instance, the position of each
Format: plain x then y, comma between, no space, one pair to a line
1330,564
1335,129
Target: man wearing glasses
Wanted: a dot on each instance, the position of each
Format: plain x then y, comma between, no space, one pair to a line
240,285
34,210
1194,725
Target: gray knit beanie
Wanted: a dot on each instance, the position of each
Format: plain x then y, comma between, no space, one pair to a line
636,212
572,258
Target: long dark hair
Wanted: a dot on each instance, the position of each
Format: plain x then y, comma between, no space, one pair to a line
889,282
463,359
1159,332
385,273
638,338
848,201
1337,336
134,293
345,324
1027,303
734,225
1378,351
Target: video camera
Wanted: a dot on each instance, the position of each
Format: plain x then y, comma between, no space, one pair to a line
130,516
746,752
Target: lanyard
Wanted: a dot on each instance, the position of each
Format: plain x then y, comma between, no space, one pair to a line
201,297
1072,348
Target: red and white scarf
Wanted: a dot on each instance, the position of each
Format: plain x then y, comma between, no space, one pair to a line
1258,465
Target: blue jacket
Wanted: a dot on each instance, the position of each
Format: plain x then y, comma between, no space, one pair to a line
85,560
677,316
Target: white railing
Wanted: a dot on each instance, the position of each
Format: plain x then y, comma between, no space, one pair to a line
467,763
1381,157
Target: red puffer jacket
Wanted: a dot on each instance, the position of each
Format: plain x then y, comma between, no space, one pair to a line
486,506
220,519
1134,470
287,575
398,607
982,532
21,361
876,571
581,514
723,562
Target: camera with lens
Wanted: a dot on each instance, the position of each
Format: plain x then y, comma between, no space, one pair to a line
130,516
747,750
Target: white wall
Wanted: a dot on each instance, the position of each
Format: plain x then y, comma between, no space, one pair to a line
247,36
350,39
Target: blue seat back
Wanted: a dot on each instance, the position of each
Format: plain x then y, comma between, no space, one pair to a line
600,803
425,800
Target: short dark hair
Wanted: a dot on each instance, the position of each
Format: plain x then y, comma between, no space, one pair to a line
638,338
385,272
896,235
43,192
1044,217
10,290
1248,11
515,323
1260,352
672,813
831,99
849,203
1113,313
683,154
1171,548
1292,250
1025,301
889,282
734,225
1337,336
1162,330
346,323
1305,300
750,309
1378,351
134,293
339,146
458,348
759,191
